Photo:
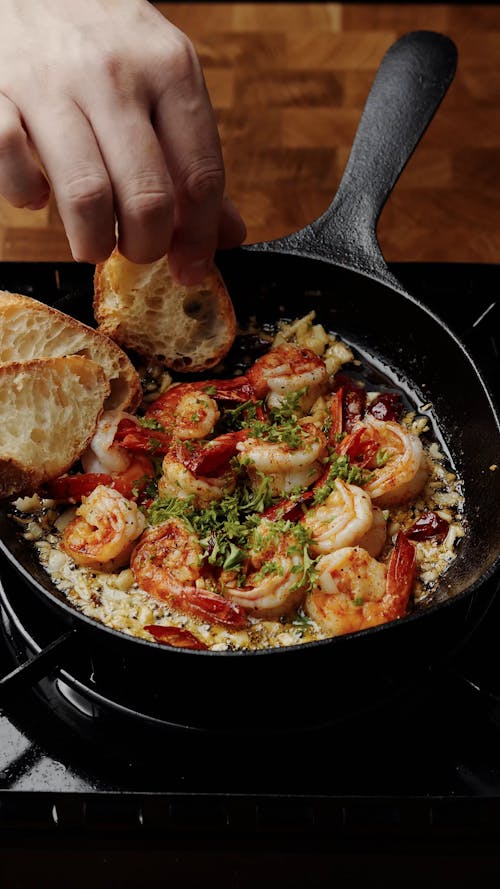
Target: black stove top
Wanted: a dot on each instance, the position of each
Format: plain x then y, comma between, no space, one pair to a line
418,771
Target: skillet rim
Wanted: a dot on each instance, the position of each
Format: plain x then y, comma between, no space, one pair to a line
93,624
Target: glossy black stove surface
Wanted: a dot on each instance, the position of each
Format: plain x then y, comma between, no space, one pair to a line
423,765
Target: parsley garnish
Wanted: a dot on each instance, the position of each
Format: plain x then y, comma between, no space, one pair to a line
239,417
151,423
223,528
341,468
382,456
289,406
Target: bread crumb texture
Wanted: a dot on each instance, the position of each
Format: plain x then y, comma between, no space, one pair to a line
30,329
49,409
144,309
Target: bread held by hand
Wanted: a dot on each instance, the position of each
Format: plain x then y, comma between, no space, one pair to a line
143,308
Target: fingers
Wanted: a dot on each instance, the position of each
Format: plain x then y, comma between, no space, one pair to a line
70,155
142,188
132,150
185,125
22,183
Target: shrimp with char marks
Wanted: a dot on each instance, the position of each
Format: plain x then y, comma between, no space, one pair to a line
346,518
275,581
104,530
186,410
285,370
167,563
353,591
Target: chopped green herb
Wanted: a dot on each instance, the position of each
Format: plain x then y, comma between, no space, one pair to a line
341,468
382,456
151,423
288,433
302,621
239,417
289,406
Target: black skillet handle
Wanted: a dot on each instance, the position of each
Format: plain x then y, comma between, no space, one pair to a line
409,85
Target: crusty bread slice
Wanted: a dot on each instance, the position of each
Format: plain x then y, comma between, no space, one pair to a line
145,309
49,409
30,329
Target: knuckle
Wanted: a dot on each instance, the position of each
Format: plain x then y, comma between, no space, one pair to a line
108,63
181,58
147,204
203,182
120,76
87,192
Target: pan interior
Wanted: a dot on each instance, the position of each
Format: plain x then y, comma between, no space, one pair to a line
402,345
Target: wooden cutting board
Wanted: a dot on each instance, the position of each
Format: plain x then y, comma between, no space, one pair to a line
288,83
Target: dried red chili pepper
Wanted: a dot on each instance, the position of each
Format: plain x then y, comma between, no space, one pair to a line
430,524
387,406
176,636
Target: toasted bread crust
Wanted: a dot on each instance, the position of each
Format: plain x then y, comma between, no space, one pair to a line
30,329
143,308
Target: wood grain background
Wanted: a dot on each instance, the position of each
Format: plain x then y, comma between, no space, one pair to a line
288,83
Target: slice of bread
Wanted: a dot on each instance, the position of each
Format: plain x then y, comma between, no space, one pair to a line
30,329
49,409
143,308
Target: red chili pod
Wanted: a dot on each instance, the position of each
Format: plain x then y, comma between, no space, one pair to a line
176,636
387,406
429,525
141,440
71,488
353,399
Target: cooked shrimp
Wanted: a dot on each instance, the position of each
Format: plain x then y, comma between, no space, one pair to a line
106,462
178,481
275,582
186,410
104,530
285,370
374,539
102,455
285,466
167,559
405,471
346,518
167,563
354,591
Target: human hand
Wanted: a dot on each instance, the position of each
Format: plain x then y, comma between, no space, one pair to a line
111,98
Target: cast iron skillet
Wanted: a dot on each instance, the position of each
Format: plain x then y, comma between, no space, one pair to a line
335,266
